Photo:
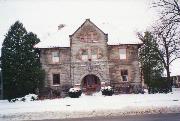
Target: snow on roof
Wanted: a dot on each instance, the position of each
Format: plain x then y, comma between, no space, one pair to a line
56,38
60,38
117,35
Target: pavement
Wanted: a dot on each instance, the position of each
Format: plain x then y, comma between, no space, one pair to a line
147,117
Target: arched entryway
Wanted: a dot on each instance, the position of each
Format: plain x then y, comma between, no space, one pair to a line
91,83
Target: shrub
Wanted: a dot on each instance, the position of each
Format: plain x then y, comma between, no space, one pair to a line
160,85
23,99
107,91
33,98
29,97
137,90
13,100
74,92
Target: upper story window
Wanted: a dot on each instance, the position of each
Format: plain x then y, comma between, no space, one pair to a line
56,79
122,54
55,57
88,37
94,54
124,75
84,54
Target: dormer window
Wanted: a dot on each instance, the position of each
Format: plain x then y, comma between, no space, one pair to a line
55,57
122,54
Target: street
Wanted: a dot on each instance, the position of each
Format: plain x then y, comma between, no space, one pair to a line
149,117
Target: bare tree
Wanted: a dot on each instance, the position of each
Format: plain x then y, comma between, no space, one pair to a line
167,31
169,10
169,44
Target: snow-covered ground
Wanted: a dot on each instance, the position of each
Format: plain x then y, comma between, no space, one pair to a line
89,106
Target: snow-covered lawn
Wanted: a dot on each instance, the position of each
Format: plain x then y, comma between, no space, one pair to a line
96,105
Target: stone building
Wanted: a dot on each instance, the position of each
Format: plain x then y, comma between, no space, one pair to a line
84,58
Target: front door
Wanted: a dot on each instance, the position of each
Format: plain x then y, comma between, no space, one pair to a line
91,83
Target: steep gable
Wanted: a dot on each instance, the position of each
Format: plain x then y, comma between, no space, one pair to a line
87,30
88,21
62,38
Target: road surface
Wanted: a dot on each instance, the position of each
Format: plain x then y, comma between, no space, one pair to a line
149,117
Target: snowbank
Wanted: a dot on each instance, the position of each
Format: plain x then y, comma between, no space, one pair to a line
29,97
91,106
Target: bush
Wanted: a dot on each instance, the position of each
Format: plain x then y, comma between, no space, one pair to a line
107,91
23,99
33,98
74,92
137,90
13,100
29,97
160,85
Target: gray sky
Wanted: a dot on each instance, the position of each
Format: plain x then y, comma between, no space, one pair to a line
43,16
40,16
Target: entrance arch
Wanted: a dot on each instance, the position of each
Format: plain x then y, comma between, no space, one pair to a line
91,83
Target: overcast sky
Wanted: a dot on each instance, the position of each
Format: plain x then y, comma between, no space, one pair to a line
41,16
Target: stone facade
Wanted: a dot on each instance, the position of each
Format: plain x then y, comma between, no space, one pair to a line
89,54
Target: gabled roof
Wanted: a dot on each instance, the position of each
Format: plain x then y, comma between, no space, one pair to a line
60,38
88,20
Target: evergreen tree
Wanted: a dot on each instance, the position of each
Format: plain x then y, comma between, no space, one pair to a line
151,65
21,68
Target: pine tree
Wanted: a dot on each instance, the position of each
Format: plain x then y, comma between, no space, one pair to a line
151,64
21,68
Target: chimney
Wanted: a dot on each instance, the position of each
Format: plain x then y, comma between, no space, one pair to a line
61,26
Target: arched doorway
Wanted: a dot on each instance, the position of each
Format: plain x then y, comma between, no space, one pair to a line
91,83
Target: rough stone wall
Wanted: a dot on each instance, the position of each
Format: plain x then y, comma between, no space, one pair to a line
130,63
72,68
62,68
80,68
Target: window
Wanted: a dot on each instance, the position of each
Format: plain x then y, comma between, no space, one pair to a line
56,79
124,75
84,54
88,37
94,54
122,53
55,57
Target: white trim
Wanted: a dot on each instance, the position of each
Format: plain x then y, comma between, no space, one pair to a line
56,85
